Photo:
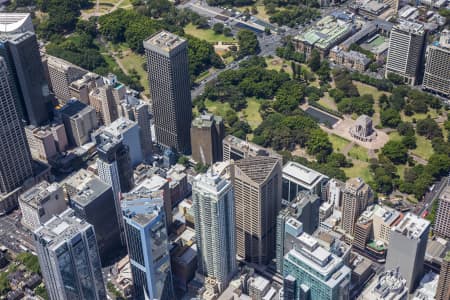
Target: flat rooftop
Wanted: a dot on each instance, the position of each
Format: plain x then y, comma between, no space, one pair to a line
142,207
119,126
302,175
38,194
206,120
61,228
164,40
412,226
410,27
326,32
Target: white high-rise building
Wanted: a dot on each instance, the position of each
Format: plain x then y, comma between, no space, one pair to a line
69,258
405,53
213,203
437,67
407,247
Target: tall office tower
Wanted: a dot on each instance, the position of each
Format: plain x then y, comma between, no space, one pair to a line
213,204
305,209
234,148
27,78
40,203
357,195
136,110
148,245
406,49
443,288
437,67
207,133
128,132
93,201
168,76
442,223
114,168
257,186
62,73
105,98
15,158
316,272
407,248
69,259
80,120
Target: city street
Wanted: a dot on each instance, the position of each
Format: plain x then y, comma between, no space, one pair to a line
13,235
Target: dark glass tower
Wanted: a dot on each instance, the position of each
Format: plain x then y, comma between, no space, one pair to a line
26,75
168,75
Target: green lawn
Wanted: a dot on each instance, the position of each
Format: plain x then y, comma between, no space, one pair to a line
394,136
261,11
401,171
278,64
359,153
251,112
217,107
368,89
338,142
328,102
207,34
359,169
131,60
419,116
424,148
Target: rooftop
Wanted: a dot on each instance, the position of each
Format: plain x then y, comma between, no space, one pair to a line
211,182
206,120
387,285
61,228
258,168
302,175
142,206
15,22
326,32
445,194
249,147
412,226
410,27
119,126
164,40
39,194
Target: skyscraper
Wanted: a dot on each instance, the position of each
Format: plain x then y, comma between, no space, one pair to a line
27,78
61,74
207,133
257,185
136,110
148,245
312,272
437,68
407,248
357,195
305,209
69,259
15,157
442,222
168,75
213,204
443,288
93,201
406,49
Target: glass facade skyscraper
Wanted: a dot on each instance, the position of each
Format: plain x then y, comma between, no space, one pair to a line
148,247
69,258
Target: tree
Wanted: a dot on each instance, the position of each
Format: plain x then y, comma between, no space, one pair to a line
218,28
227,31
319,145
390,118
183,160
397,79
314,60
395,151
288,97
428,128
405,128
409,141
248,43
